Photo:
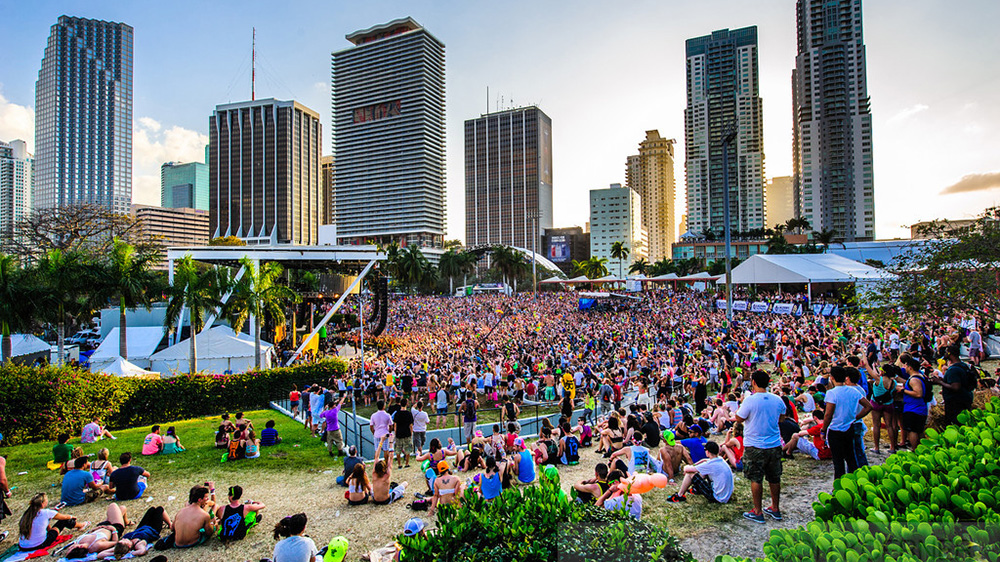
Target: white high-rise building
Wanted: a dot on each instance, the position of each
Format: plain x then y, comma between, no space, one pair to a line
833,178
723,94
651,174
780,201
16,169
616,216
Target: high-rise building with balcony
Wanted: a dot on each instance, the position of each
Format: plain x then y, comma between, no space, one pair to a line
83,116
651,174
184,185
508,178
723,95
264,172
616,216
389,136
16,168
832,171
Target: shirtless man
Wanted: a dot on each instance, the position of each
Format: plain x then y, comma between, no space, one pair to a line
194,523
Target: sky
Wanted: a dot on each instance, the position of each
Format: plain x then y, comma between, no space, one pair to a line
605,72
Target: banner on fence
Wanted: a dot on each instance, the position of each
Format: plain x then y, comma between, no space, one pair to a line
782,308
720,304
740,305
758,307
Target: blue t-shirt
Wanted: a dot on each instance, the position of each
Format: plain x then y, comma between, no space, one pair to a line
73,485
846,400
491,486
695,446
268,436
761,410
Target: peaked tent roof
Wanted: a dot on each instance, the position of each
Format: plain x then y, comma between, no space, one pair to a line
553,279
27,344
803,268
142,342
664,277
120,367
219,342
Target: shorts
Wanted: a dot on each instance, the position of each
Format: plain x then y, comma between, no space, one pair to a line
975,353
295,404
759,464
387,444
913,422
886,408
806,446
419,437
703,487
443,411
404,444
143,533
118,526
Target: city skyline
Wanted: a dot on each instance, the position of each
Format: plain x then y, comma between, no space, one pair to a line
577,77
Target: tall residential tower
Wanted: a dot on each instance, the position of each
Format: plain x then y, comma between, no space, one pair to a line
16,168
651,174
184,185
83,116
389,136
723,95
508,178
832,121
264,172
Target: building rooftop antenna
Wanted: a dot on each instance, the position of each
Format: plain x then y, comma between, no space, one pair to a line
253,66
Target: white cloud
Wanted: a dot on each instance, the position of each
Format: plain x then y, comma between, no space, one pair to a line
152,146
908,112
16,122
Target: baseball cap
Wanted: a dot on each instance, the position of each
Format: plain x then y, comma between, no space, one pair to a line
669,437
518,443
443,466
414,526
696,427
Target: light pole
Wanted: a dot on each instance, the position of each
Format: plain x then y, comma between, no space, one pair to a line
354,410
534,253
725,204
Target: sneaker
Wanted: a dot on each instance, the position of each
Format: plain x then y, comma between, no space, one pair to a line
773,513
676,499
3,535
755,517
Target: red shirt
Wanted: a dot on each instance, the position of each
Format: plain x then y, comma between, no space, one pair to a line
818,441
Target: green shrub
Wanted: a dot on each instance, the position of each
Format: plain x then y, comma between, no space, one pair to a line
537,523
938,502
40,403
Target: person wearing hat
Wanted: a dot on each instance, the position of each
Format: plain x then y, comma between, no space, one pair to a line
78,486
447,487
524,462
672,455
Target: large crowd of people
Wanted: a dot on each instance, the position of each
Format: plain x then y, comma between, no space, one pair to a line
658,392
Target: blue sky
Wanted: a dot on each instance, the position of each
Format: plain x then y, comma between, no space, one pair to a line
604,71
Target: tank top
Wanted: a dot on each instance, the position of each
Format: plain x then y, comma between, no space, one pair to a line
915,405
294,396
233,524
526,468
470,410
491,486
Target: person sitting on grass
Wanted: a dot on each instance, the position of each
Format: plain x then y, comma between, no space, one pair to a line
226,427
546,449
78,486
172,443
68,465
587,491
616,497
252,445
194,523
136,542
523,463
569,446
128,482
435,454
236,518
350,462
384,491
34,526
269,436
102,467
61,451
153,443
447,488
710,477
295,547
94,432
731,447
629,460
359,489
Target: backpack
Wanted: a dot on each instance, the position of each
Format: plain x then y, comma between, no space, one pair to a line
970,378
420,505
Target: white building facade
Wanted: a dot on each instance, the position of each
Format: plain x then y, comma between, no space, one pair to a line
616,216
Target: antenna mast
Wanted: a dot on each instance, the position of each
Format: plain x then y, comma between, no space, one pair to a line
253,65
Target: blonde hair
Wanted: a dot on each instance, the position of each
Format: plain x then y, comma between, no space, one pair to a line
103,454
24,526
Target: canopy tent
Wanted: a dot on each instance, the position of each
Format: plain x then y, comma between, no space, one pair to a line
219,350
120,368
26,348
702,277
553,279
769,269
607,279
143,341
664,277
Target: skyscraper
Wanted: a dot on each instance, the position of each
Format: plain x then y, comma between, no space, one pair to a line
389,136
508,178
780,201
328,166
264,172
651,174
723,95
184,185
616,216
832,121
16,167
83,116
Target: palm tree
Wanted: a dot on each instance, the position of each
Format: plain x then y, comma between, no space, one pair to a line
126,275
449,266
258,293
509,263
17,294
62,276
595,267
411,265
640,266
824,237
619,251
198,291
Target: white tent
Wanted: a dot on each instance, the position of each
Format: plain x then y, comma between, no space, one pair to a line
119,367
26,345
219,350
142,344
769,269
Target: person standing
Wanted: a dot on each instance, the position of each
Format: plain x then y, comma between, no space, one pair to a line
469,418
420,421
957,385
402,420
916,395
381,425
760,413
845,405
331,426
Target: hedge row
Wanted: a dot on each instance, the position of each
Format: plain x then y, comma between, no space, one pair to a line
938,502
537,524
40,403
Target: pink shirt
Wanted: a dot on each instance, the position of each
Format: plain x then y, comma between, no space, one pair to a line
152,444
91,432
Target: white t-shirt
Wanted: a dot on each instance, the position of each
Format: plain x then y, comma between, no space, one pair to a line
39,530
846,405
761,410
295,549
420,419
722,477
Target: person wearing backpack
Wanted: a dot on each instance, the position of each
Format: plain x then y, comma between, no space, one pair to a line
916,395
957,385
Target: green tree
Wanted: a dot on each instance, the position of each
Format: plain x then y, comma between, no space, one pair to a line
595,267
662,266
619,251
640,266
824,237
412,267
200,292
62,276
226,241
126,276
17,301
449,266
258,293
509,263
